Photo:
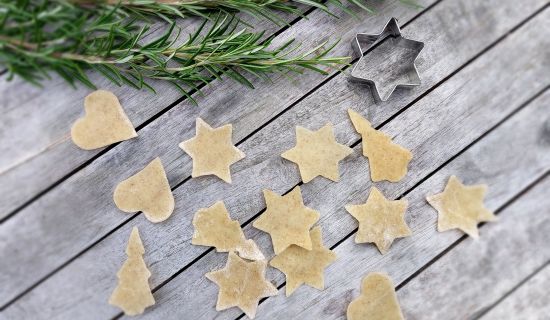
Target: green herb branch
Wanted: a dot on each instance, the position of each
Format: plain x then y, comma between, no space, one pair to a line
169,9
68,37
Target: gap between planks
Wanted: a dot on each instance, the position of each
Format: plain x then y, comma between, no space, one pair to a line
514,290
535,285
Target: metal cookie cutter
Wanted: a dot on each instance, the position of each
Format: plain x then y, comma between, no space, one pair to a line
403,73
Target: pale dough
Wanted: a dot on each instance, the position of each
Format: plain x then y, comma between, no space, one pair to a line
380,220
147,191
104,123
304,266
377,301
387,160
317,153
242,284
461,207
287,220
214,227
212,151
133,293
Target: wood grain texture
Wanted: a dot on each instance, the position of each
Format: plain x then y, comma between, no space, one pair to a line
475,274
495,166
505,171
531,300
80,211
42,142
168,245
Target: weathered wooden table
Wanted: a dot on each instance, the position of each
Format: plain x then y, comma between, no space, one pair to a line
481,113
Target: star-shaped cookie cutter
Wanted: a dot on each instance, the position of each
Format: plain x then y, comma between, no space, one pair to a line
363,42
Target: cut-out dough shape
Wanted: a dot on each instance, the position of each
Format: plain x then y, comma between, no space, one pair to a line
380,220
317,153
214,227
104,123
461,207
377,301
287,220
133,293
304,266
212,151
147,191
387,160
242,284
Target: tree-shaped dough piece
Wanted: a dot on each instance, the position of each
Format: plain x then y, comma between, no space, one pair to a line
387,160
242,284
133,293
461,207
377,301
147,191
380,220
212,151
214,227
287,220
304,266
317,153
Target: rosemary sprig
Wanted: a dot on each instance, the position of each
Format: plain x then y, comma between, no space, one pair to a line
58,37
169,9
67,37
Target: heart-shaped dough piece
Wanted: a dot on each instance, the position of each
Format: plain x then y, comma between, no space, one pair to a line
147,191
104,123
377,301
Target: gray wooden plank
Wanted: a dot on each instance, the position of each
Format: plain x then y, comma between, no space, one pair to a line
475,274
504,170
69,220
168,245
41,143
530,301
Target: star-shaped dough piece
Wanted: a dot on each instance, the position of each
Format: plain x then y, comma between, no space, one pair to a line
242,284
380,220
304,266
287,220
317,153
377,301
214,227
461,207
387,160
212,151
